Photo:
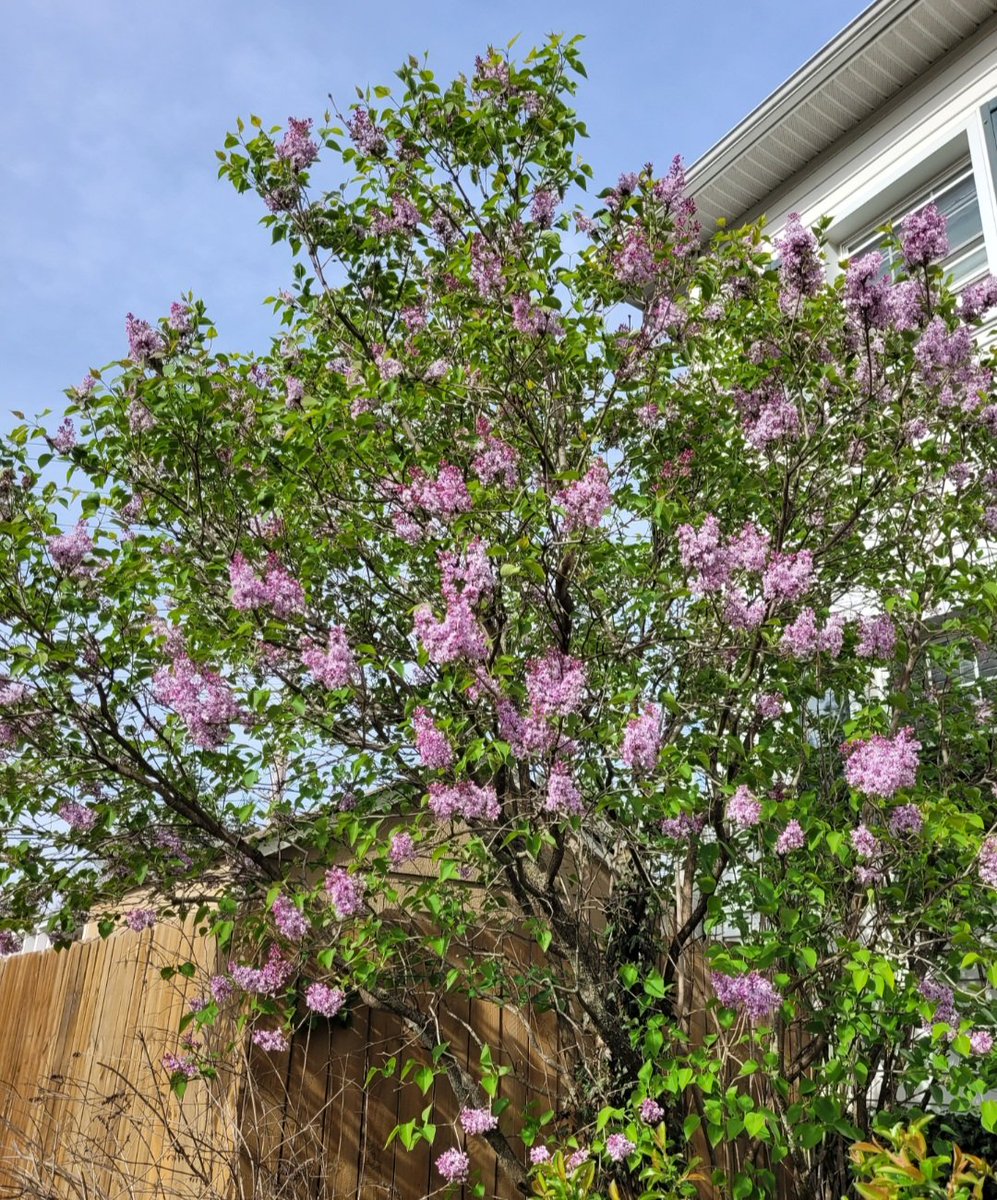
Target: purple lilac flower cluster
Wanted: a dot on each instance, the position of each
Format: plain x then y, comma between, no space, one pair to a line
434,750
464,799
744,809
642,740
271,1040
277,590
751,994
792,838
70,550
453,1165
801,268
332,666
477,1121
324,1000
269,980
496,461
345,891
881,766
289,919
563,796
587,500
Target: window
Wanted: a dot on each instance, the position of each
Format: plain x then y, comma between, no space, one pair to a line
954,194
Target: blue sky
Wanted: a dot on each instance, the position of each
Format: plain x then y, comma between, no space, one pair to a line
113,110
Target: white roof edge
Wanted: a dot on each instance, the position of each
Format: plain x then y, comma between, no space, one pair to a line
865,28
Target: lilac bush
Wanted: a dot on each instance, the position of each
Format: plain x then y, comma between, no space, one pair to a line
552,578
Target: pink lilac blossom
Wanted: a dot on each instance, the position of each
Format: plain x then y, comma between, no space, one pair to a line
140,419
801,270
908,304
739,614
334,666
345,891
533,321
587,500
10,943
563,796
684,827
749,550
543,206
496,461
744,809
642,740
64,438
266,981
527,736
555,683
575,1160
181,318
139,919
144,342
221,988
633,264
942,997
775,420
277,590
940,353
445,226
486,268
980,1041
202,700
69,550
702,551
788,577
271,1040
12,693
476,1121
289,919
908,818
434,750
296,147
402,849
877,637
78,817
751,994
177,1064
803,638
865,843
324,1000
539,1155
976,299
295,391
457,636
651,1112
923,236
881,766
770,705
465,799
466,577
619,1147
365,135
453,1165
445,496
867,291
986,863
792,838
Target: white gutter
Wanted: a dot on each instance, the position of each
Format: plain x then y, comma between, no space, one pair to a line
866,28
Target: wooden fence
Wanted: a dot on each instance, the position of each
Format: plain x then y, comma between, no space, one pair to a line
86,1110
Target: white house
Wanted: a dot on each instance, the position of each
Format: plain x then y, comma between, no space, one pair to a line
898,109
